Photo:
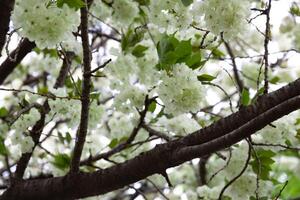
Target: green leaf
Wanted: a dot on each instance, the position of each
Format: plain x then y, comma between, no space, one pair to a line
205,78
62,161
43,90
68,137
194,61
3,150
183,49
143,2
95,95
171,51
152,106
186,3
114,142
139,51
274,80
3,112
245,97
217,53
166,44
71,3
294,9
60,137
262,165
131,38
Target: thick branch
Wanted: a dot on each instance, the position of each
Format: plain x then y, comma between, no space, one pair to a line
6,6
237,127
7,67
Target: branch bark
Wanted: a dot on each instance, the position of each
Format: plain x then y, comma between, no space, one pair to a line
219,135
6,6
85,96
8,65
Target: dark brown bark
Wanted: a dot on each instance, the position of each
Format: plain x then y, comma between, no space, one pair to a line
6,6
85,96
219,135
8,65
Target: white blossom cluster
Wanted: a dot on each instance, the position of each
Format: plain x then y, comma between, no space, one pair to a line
228,16
130,98
124,12
46,25
181,92
66,109
25,143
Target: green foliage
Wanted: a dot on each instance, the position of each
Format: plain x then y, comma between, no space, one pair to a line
114,142
64,138
143,2
77,4
294,9
152,106
43,90
3,112
245,100
262,165
50,52
186,3
171,51
62,161
205,78
274,80
216,53
292,190
3,150
131,38
139,51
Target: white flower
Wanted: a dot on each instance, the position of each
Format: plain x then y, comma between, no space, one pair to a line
47,26
124,12
27,144
181,92
228,16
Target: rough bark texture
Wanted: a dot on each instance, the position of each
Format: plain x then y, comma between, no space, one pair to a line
219,135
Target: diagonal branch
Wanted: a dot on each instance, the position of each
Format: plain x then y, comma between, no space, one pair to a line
239,125
8,65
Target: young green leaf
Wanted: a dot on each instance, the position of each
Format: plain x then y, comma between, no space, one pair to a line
114,142
186,3
245,97
62,161
77,4
194,61
205,78
139,51
3,150
3,112
152,106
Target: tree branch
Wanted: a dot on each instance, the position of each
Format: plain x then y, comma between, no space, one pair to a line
8,65
85,96
6,6
219,135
